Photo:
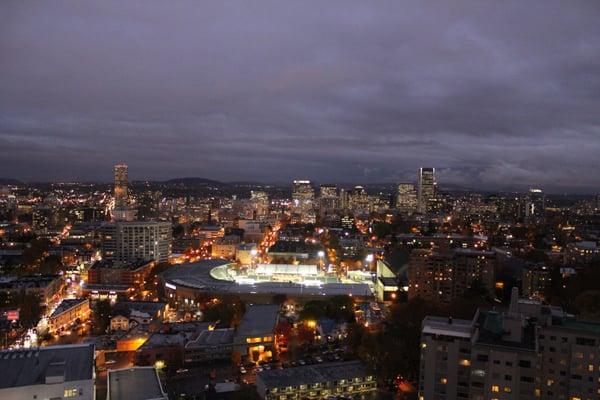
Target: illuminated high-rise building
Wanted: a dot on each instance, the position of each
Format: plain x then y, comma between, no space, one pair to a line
427,188
122,211
329,200
359,201
260,203
406,199
303,198
121,186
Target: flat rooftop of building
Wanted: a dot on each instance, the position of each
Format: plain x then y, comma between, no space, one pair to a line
462,328
131,265
213,337
492,332
67,304
31,281
311,374
258,319
163,340
27,367
592,327
138,383
285,246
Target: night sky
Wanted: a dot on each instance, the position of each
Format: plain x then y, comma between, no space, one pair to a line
495,94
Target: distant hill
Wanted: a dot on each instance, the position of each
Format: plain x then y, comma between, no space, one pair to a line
9,181
191,181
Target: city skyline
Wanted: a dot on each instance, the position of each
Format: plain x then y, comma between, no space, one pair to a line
503,94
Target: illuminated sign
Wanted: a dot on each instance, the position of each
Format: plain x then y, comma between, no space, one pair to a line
171,286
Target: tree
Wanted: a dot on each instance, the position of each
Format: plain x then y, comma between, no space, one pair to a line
101,314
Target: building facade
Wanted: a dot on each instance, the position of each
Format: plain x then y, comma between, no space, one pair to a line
427,189
136,240
531,351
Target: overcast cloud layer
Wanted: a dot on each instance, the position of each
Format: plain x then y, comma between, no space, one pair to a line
492,93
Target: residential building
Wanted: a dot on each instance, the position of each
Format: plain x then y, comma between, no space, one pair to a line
318,381
536,278
137,383
53,372
530,351
136,240
254,338
216,344
67,313
445,276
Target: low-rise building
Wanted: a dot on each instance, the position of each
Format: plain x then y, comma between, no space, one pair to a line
138,383
318,381
255,336
53,372
216,344
67,313
112,279
46,286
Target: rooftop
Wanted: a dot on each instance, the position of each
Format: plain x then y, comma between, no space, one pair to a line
132,265
258,319
138,383
310,374
212,338
32,366
67,304
163,340
282,246
448,327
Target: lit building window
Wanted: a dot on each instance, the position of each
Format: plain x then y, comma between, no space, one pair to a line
495,388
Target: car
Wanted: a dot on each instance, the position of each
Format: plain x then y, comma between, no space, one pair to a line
302,362
259,369
318,359
243,370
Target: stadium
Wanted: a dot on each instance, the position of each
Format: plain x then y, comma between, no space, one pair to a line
220,277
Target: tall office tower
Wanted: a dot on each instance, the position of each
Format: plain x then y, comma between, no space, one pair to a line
121,186
535,204
359,201
148,205
122,210
128,241
260,203
406,200
344,199
427,188
530,351
329,201
303,198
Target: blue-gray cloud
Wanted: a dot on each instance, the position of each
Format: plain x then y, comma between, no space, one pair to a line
491,93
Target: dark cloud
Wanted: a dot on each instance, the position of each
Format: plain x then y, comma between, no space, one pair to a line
494,94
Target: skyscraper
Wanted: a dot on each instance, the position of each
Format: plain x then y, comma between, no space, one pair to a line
406,200
329,201
122,211
121,186
303,198
427,188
